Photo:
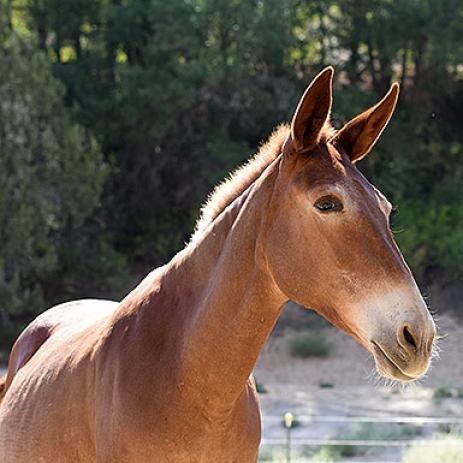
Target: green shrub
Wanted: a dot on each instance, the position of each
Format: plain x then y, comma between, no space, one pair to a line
335,452
260,388
326,385
442,392
372,432
51,175
309,345
328,453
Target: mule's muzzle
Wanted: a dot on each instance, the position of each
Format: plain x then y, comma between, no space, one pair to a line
408,356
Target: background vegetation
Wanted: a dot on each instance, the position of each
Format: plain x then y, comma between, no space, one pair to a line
117,116
308,344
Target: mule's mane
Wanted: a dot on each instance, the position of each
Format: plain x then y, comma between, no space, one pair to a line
239,180
242,177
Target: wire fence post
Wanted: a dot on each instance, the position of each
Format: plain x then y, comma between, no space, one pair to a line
288,420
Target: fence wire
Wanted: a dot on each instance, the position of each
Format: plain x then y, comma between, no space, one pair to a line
353,442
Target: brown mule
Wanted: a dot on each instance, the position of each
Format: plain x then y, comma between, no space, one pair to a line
165,375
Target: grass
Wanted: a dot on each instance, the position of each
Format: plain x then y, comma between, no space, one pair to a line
366,431
309,345
448,450
278,455
328,454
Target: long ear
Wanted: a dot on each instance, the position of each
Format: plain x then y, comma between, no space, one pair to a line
359,135
312,111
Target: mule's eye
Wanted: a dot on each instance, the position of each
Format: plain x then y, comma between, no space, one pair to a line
328,204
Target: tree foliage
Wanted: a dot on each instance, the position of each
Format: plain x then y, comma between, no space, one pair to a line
51,177
174,94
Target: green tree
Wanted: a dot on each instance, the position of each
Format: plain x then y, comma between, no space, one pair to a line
418,164
51,177
177,93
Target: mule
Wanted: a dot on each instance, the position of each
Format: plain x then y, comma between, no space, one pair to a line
165,374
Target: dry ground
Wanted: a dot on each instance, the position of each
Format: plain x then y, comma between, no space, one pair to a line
297,385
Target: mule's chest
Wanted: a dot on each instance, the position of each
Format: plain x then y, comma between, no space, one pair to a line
179,433
238,445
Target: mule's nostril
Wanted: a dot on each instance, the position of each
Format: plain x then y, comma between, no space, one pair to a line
409,337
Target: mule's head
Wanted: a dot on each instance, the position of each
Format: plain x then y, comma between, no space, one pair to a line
329,243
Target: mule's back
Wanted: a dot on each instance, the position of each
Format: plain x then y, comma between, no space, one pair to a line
48,385
55,325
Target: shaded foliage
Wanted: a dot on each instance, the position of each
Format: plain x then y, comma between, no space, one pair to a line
172,95
52,174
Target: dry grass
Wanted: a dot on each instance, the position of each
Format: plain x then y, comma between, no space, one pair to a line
449,449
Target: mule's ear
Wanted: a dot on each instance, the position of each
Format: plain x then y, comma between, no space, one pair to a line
359,135
312,111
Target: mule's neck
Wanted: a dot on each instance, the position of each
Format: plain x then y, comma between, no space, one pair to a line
235,300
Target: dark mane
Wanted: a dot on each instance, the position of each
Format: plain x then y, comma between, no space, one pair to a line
242,177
